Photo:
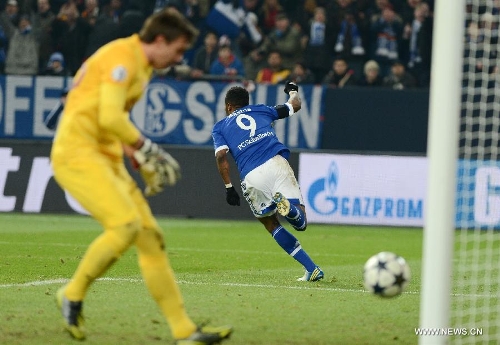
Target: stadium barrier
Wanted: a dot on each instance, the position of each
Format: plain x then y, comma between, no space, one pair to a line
337,188
183,113
27,184
374,120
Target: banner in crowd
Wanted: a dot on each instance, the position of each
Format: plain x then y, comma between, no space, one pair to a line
170,112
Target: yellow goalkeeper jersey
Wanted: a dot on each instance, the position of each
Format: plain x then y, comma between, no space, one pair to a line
96,114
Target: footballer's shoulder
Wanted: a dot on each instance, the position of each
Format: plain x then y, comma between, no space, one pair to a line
219,124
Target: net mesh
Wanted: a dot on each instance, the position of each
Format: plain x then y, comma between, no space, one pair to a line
475,295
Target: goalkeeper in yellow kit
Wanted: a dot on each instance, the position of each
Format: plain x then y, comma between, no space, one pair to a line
88,161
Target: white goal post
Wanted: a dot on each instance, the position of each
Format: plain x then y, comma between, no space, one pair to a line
460,292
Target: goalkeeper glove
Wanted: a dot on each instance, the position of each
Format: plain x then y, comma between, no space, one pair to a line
157,167
232,196
151,179
290,86
146,151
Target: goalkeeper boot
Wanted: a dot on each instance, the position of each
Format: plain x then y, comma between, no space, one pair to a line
72,314
315,275
282,204
206,335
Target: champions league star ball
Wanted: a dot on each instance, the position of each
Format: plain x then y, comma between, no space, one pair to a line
386,274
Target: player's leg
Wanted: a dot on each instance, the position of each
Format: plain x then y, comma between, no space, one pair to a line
292,247
257,189
292,210
287,195
157,272
101,188
160,280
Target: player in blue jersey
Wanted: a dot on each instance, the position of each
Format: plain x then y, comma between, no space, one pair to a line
267,179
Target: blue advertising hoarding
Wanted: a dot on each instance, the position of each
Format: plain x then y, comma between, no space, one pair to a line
170,112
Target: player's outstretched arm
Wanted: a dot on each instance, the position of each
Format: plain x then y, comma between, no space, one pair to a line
232,196
293,104
292,90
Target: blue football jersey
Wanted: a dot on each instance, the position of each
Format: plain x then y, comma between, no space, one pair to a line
249,136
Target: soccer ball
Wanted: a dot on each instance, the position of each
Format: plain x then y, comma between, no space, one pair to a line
386,274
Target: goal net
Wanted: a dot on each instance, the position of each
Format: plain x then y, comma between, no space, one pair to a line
475,307
461,257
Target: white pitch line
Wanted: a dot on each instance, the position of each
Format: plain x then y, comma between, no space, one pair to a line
263,286
172,250
133,280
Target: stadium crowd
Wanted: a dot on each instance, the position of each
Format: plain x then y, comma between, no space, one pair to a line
337,43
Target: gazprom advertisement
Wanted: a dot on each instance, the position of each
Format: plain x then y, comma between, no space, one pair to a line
390,190
170,111
356,189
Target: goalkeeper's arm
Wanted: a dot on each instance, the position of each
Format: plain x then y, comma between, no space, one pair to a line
157,167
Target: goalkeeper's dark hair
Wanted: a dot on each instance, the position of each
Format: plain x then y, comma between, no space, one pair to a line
237,96
170,24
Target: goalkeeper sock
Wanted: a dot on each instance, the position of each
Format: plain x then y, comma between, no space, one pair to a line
292,246
100,255
160,280
296,217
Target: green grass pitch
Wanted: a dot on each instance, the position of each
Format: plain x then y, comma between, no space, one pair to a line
230,272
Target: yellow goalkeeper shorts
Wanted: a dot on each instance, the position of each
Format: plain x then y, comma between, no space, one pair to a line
105,189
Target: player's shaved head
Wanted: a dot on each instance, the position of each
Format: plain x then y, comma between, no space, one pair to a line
237,97
170,24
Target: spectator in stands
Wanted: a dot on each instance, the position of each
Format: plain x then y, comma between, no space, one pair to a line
413,45
91,11
267,15
286,40
407,11
399,78
371,75
254,62
57,4
246,45
70,34
231,18
132,19
318,50
105,28
205,56
189,8
9,18
489,26
340,75
301,74
22,55
386,31
113,10
425,48
275,72
55,66
42,24
348,42
227,66
54,115
378,7
480,41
